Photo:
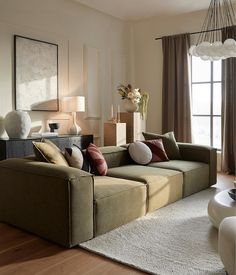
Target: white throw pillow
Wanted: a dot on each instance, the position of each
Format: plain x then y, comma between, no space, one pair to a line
76,158
140,152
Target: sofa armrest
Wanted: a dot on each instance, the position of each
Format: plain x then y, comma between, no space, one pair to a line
201,153
54,202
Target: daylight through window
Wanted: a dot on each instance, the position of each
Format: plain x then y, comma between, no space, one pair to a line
206,102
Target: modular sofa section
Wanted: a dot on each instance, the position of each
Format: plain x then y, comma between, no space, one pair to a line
201,153
195,174
117,202
54,202
163,186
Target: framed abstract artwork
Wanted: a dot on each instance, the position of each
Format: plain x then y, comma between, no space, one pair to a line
35,74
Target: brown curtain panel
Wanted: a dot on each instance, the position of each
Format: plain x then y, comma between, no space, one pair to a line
176,106
229,107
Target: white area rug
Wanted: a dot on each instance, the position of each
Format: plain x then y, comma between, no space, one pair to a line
177,239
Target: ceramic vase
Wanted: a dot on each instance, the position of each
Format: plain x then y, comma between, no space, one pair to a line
2,129
17,124
129,106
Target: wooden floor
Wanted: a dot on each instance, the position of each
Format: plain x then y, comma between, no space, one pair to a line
25,254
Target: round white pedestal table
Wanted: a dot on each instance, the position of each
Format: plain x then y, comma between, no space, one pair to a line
220,207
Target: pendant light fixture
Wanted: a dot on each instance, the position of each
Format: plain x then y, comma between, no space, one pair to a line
209,45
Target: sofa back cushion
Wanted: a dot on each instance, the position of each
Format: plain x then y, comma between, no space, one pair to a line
116,156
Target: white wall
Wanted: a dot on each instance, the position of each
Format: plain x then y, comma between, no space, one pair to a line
148,56
73,27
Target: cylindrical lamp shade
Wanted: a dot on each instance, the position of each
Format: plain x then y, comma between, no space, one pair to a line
73,104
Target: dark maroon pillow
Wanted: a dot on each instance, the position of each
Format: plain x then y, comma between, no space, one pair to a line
158,150
96,159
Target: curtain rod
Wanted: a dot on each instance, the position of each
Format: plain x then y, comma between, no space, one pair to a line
191,33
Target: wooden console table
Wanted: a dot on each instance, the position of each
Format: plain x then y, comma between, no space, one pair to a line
17,148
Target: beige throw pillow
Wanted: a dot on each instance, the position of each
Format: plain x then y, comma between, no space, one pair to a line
46,151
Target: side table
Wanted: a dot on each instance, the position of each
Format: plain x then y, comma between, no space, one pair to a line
114,134
220,207
135,125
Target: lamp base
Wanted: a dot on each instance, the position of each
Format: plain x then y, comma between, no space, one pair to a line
75,129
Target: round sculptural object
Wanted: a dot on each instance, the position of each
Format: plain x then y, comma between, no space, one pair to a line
17,124
2,128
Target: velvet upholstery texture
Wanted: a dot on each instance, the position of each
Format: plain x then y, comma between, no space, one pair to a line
51,201
116,156
163,186
201,153
117,202
195,174
61,204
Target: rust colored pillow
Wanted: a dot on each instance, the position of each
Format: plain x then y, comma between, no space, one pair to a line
157,149
96,159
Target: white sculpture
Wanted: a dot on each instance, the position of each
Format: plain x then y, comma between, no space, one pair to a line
17,124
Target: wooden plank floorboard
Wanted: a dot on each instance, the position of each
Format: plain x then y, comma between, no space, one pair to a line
41,260
88,264
11,237
30,255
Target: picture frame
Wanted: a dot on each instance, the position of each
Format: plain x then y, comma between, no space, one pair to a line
35,75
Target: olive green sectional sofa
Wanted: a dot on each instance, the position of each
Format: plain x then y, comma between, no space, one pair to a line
70,206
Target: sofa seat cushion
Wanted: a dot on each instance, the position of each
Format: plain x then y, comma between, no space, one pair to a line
195,174
117,202
163,186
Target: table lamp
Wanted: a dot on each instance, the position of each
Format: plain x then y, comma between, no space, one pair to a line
73,104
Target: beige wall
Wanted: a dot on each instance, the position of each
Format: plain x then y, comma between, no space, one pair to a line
127,53
148,56
73,27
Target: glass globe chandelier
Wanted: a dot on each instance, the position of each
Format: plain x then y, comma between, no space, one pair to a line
209,45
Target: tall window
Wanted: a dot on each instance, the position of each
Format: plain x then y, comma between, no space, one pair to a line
206,102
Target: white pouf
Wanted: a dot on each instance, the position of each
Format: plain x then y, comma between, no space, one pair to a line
227,244
2,128
17,124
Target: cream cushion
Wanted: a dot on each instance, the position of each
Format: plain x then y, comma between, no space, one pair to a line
140,152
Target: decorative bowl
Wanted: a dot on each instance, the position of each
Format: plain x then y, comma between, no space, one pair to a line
232,193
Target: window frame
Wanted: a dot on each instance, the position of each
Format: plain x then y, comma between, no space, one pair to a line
211,82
